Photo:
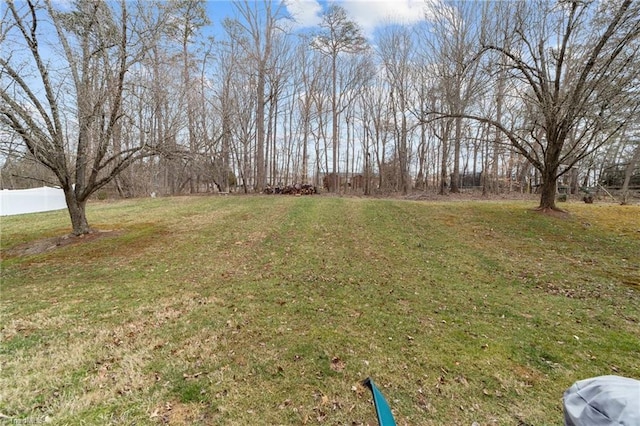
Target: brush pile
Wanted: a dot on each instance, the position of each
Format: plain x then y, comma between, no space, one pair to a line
297,189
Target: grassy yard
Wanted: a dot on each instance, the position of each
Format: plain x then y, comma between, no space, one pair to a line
271,310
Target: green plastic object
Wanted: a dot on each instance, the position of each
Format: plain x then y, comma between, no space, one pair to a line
383,411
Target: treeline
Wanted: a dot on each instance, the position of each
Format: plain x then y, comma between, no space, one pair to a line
135,97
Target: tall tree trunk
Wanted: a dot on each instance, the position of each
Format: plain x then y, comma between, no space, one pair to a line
334,123
190,117
628,173
548,190
269,142
316,177
485,164
226,135
77,212
305,142
455,176
346,177
443,159
260,133
274,150
404,154
497,146
549,174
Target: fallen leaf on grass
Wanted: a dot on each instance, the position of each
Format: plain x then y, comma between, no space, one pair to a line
462,380
337,364
286,403
192,376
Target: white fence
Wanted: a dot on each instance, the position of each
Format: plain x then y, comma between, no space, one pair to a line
20,201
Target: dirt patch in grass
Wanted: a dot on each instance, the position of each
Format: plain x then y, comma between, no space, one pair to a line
49,244
177,413
557,212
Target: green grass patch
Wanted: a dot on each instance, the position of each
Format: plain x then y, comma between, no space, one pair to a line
271,310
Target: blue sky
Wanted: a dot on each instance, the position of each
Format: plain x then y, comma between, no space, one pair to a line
369,14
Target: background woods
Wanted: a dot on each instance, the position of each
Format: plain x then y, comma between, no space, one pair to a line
134,98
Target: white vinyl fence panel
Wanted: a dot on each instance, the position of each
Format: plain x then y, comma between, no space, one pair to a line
20,201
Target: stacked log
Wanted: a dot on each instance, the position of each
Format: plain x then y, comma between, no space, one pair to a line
297,189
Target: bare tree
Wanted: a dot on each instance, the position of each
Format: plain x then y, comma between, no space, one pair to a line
378,124
634,159
190,17
455,32
572,63
100,43
395,47
232,79
309,75
338,34
258,25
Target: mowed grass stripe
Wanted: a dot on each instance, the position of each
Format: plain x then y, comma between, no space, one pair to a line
119,286
270,310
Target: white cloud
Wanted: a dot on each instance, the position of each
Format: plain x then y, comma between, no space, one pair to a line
306,13
368,14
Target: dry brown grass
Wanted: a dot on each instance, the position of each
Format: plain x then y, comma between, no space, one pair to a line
270,310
